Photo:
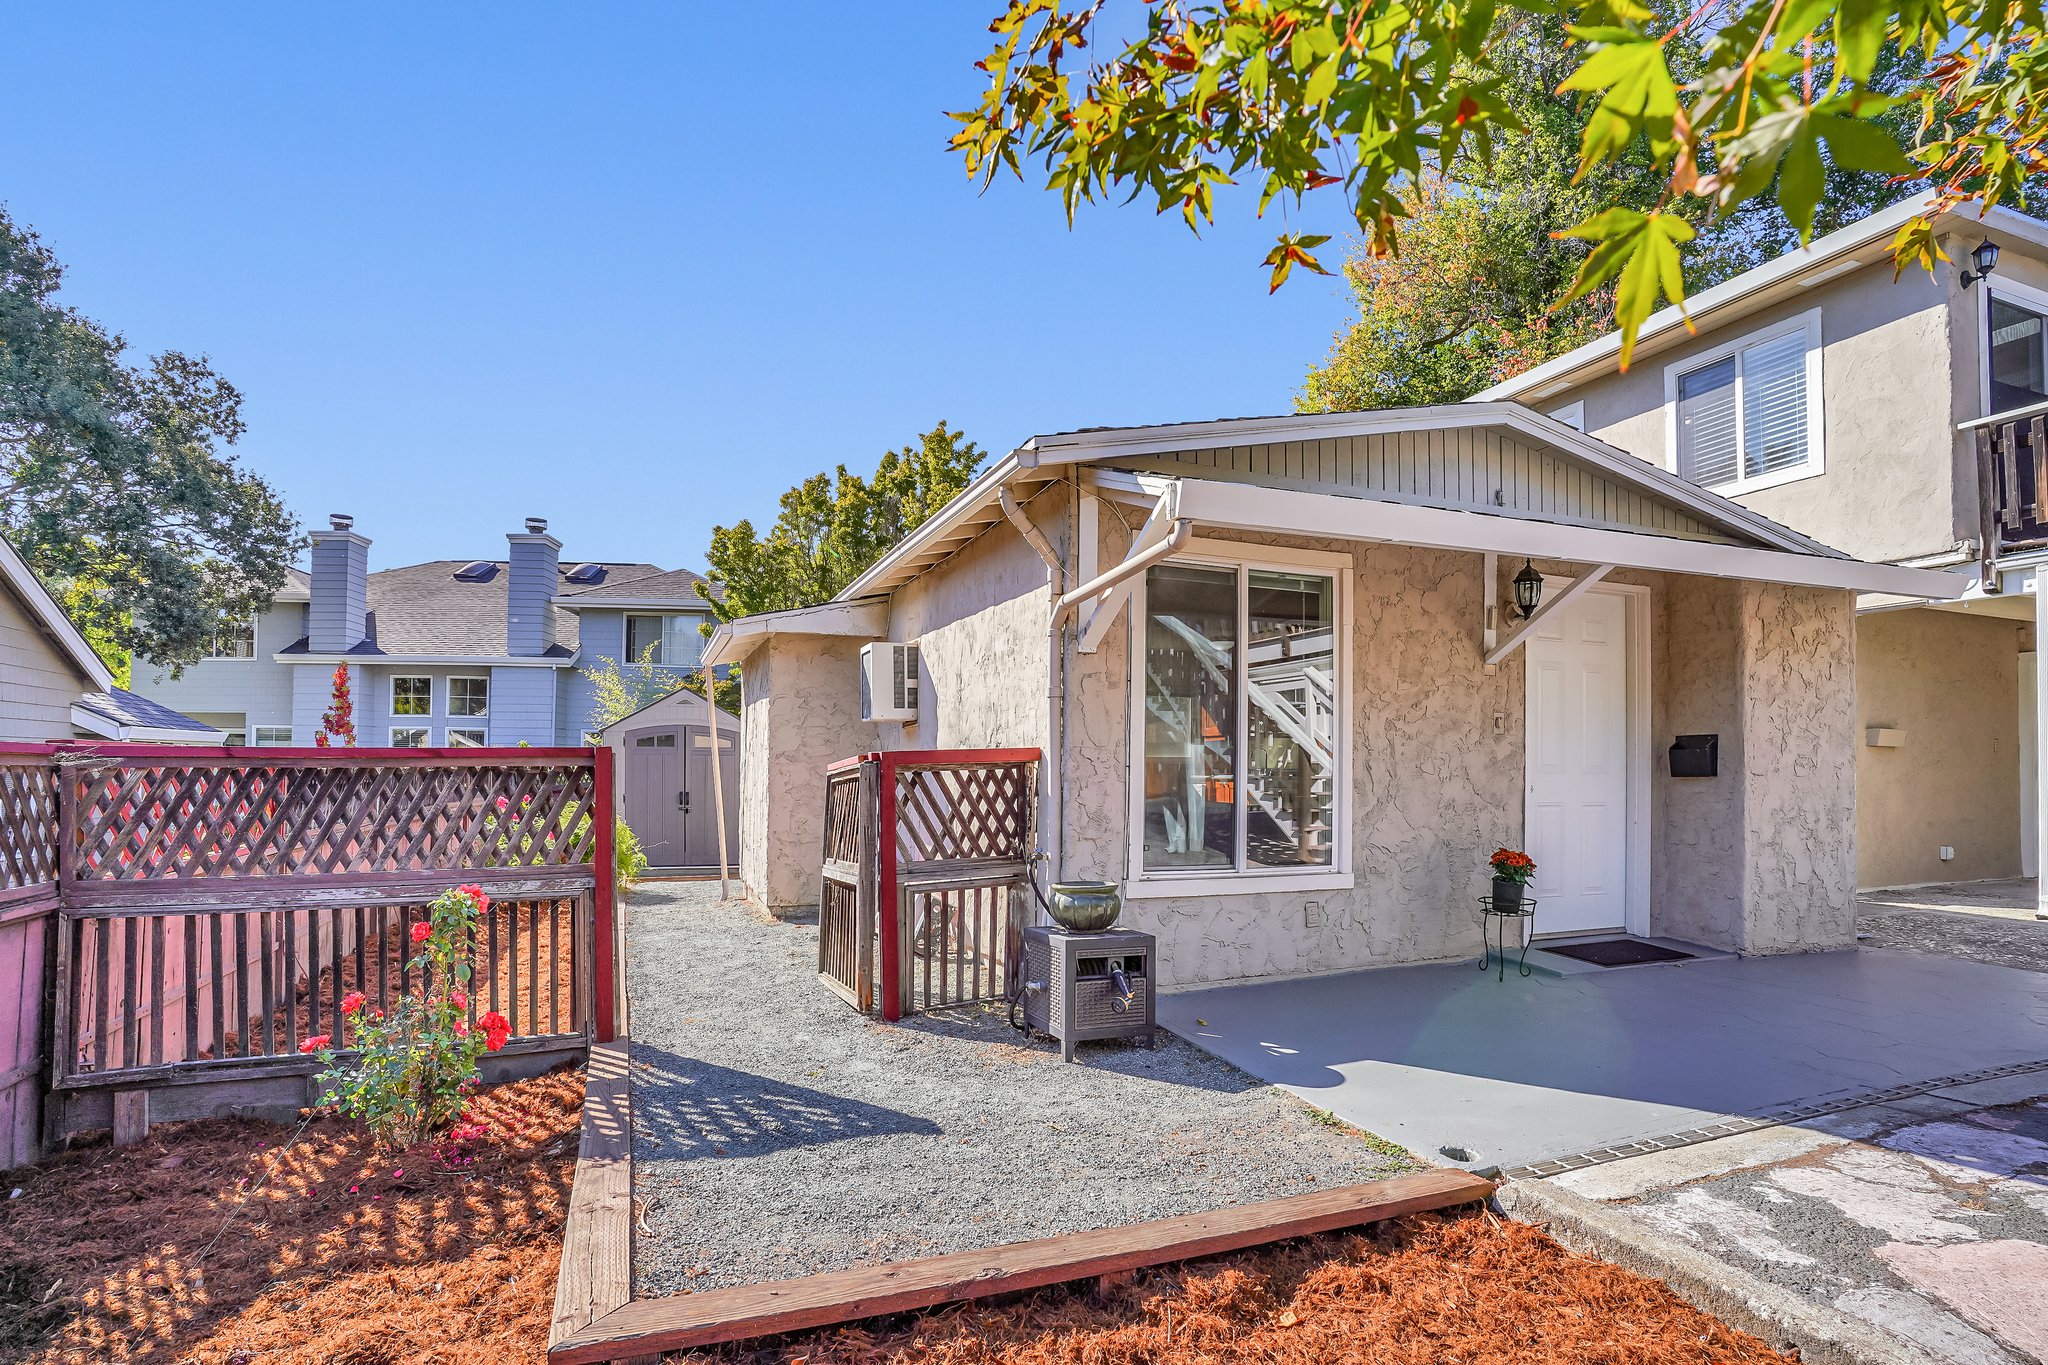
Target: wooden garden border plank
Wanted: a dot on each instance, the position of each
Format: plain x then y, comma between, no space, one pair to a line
597,1244
645,1327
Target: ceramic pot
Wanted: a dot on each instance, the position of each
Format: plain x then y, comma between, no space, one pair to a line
1507,893
1085,907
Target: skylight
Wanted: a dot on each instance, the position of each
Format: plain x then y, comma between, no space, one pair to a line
586,573
476,571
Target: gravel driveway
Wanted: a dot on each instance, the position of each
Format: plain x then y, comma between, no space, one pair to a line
777,1132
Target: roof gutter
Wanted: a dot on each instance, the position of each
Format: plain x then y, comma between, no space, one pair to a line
1033,537
1176,540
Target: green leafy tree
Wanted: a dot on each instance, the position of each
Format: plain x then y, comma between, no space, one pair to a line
833,526
114,484
1306,95
1473,297
621,689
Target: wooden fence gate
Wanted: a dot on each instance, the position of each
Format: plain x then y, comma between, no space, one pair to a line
205,911
925,860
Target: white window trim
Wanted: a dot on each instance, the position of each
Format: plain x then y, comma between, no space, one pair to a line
1144,884
2034,300
250,657
482,733
454,678
626,637
426,733
411,716
256,736
1816,426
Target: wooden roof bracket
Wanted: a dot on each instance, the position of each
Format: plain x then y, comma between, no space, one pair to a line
1558,603
1164,533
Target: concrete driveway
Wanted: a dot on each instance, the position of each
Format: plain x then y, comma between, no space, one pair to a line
1457,1066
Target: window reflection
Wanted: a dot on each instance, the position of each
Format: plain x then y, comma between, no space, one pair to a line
1291,722
1190,717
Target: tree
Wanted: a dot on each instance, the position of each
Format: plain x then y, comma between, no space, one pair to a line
113,482
621,689
1473,297
1306,95
339,720
833,526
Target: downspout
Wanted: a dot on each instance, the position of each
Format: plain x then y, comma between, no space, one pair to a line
1055,682
1137,563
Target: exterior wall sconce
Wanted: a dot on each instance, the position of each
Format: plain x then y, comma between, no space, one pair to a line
1985,258
1528,590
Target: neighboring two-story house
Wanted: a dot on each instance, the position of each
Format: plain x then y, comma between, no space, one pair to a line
1897,420
450,653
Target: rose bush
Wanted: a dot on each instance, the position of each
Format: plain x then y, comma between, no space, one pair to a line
415,1067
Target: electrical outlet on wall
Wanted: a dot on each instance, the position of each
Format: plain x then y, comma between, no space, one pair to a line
1312,914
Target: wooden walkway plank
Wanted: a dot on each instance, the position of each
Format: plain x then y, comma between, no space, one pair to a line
597,1244
645,1327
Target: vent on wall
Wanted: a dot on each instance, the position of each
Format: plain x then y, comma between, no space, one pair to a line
888,681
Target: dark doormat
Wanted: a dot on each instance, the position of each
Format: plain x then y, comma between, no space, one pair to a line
1617,952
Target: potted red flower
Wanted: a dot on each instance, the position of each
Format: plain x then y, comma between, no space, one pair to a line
1512,870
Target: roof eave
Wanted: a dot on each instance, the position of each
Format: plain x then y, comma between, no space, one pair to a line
54,621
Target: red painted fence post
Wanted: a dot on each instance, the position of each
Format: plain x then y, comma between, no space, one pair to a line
604,899
885,886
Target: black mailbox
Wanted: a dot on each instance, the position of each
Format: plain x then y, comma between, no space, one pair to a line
1696,756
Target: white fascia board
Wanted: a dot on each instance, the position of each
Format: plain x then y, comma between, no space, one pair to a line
671,604
1824,254
1249,507
1133,442
978,494
429,660
732,641
45,608
106,727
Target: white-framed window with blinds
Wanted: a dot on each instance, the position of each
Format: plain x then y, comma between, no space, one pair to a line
1746,415
675,641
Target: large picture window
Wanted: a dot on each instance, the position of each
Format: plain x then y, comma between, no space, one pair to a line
1240,719
1746,415
2019,359
676,640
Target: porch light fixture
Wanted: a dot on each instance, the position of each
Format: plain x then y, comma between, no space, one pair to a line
1528,590
1985,258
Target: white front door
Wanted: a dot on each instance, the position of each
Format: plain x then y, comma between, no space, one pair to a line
1577,808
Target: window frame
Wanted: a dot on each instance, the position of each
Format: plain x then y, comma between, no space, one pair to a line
2027,297
1246,878
455,678
257,732
396,679
482,740
426,733
1807,322
213,654
626,637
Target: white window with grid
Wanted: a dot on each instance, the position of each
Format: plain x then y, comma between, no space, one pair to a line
469,696
412,696
1747,415
408,736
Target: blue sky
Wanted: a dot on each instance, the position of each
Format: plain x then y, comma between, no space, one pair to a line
633,268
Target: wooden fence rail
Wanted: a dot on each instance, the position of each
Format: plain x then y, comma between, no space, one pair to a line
925,854
204,911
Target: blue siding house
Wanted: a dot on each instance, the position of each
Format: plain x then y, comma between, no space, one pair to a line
448,653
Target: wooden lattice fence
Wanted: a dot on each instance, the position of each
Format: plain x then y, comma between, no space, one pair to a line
212,907
925,856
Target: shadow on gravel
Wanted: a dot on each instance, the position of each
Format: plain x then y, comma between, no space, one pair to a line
1174,1062
689,1109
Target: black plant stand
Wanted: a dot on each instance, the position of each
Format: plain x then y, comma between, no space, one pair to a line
1490,915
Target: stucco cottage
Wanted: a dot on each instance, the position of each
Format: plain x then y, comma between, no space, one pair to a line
1287,697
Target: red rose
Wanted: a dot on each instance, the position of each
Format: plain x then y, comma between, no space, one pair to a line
315,1043
458,999
422,931
353,1001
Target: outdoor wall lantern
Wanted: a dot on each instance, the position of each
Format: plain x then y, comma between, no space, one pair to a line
1528,590
1985,258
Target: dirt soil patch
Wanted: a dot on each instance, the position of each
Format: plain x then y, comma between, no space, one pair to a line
237,1242
1423,1290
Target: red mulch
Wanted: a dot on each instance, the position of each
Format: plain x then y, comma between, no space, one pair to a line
1457,1289
232,1242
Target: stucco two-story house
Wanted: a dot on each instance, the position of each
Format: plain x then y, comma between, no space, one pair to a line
449,653
1899,421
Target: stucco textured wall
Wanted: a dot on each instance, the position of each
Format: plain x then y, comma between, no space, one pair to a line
1799,758
1950,681
814,720
1696,892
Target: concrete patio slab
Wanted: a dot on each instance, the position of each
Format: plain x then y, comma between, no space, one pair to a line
1512,1072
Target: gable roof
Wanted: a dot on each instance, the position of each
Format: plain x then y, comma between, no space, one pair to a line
1864,242
21,580
1047,457
673,588
120,714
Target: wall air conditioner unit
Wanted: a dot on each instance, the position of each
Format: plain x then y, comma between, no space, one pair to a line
888,681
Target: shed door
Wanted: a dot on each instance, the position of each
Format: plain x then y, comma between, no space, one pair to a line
655,794
1577,810
700,825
